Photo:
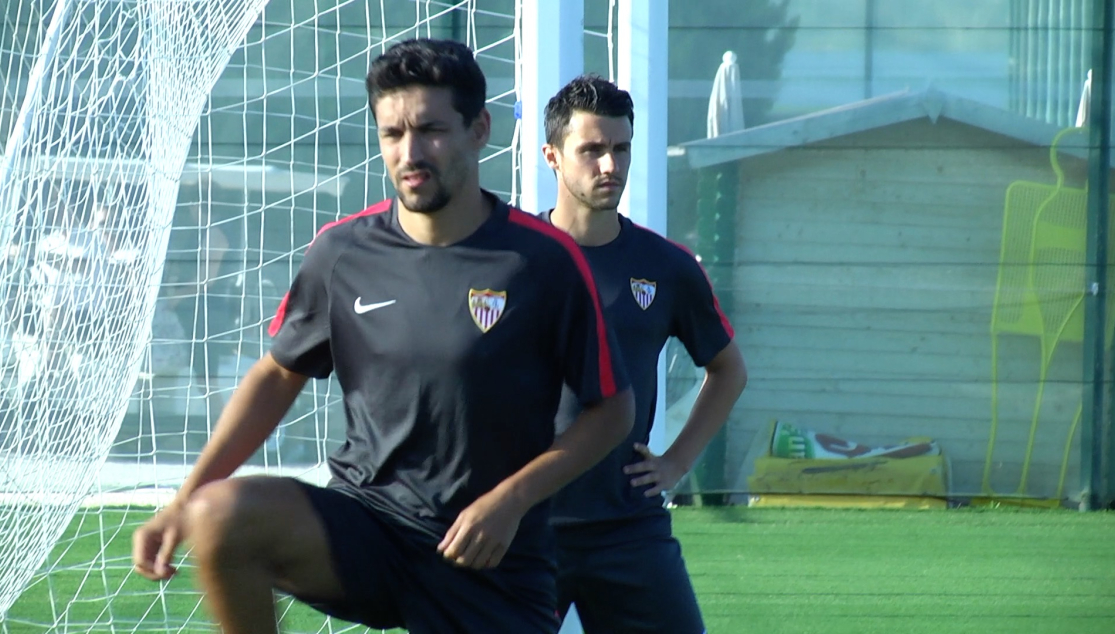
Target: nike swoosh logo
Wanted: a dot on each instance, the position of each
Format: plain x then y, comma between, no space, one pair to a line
364,308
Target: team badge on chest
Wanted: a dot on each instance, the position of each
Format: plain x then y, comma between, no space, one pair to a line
486,307
643,290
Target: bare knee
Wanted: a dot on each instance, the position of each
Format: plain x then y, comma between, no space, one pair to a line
263,523
232,520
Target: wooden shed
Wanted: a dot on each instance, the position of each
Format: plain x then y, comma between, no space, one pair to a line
868,243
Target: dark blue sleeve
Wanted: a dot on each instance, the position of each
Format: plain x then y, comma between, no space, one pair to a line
698,322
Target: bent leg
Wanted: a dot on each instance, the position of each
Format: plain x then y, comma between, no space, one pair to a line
254,534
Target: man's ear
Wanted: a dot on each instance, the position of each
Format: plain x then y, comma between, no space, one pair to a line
481,128
550,153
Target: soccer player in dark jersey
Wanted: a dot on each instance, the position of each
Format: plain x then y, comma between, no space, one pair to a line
452,323
618,561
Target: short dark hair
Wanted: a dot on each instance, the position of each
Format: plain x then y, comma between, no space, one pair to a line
433,63
588,93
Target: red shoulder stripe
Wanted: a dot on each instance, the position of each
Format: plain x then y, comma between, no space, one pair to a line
377,208
607,376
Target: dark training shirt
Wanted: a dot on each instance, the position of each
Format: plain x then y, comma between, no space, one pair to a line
451,359
652,289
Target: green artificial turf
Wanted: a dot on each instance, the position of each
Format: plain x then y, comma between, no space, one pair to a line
853,571
755,570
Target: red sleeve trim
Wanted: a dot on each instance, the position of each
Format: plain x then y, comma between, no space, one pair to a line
280,314
715,302
607,376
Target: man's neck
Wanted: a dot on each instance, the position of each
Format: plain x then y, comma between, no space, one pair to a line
449,225
588,227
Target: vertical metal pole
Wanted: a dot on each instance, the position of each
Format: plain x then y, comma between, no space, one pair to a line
553,53
1092,441
643,30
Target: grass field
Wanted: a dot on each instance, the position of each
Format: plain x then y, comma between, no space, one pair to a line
755,570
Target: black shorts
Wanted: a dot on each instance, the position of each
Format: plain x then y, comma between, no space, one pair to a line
636,584
395,580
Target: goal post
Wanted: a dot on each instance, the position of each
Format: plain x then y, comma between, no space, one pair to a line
643,35
553,48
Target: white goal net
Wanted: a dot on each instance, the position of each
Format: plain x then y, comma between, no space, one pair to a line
166,163
98,126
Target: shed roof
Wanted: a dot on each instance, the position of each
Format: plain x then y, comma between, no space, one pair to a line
869,114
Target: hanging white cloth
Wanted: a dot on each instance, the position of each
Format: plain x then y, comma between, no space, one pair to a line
725,105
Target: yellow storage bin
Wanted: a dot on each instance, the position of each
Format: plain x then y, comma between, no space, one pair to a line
824,465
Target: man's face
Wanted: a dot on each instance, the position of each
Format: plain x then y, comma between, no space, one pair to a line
593,160
428,150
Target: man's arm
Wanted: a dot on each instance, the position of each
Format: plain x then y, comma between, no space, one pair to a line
259,403
255,409
483,531
725,378
300,349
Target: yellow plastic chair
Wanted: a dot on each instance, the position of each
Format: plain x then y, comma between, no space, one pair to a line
1040,291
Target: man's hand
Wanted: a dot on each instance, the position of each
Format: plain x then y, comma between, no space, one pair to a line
483,532
154,543
659,471
260,401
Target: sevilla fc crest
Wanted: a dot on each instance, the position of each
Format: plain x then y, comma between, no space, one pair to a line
643,290
486,307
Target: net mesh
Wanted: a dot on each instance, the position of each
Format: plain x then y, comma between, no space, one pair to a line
97,133
178,158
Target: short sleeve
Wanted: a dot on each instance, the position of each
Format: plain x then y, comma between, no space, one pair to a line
591,362
698,322
300,330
